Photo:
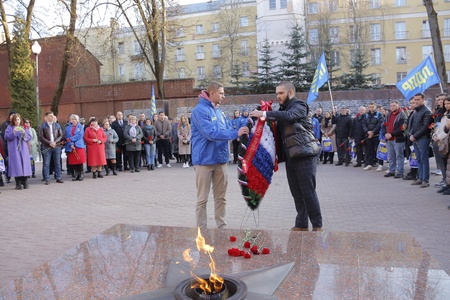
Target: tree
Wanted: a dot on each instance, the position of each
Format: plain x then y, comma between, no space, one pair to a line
67,54
437,42
356,79
265,78
21,73
293,66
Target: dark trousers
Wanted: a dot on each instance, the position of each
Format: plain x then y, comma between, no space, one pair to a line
134,158
301,176
343,150
371,151
359,153
235,150
163,147
328,156
122,158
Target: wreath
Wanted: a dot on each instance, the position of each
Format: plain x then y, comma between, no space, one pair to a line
257,158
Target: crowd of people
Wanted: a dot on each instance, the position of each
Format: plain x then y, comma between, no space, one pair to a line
396,136
112,145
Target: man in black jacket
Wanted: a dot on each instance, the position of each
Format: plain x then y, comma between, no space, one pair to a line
419,131
358,135
119,125
394,129
372,127
300,148
343,132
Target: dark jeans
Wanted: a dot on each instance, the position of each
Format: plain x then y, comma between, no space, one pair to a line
301,175
343,150
371,151
122,158
421,148
163,148
54,155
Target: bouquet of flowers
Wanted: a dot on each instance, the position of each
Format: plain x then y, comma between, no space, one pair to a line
257,158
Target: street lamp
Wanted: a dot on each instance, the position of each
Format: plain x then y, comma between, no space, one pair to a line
36,49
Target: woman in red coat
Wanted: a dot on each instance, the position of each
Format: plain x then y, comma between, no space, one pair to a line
95,139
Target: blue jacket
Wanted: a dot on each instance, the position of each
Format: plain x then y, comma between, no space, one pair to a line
75,139
210,134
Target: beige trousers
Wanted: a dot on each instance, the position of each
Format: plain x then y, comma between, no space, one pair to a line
217,175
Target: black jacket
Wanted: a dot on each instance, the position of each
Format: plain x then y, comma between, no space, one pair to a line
295,130
399,131
119,129
419,122
373,122
357,132
343,126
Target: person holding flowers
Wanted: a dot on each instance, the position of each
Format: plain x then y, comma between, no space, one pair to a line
95,138
19,165
149,143
76,155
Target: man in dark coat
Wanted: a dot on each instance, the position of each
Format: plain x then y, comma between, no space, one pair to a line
119,125
358,135
343,132
372,126
301,150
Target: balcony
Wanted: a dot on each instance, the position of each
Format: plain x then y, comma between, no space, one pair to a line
401,35
200,55
426,34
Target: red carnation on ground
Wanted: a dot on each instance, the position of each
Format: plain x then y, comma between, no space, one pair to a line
254,250
247,244
265,251
232,239
247,255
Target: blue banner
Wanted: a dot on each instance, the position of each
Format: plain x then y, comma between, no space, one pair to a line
153,105
320,77
419,79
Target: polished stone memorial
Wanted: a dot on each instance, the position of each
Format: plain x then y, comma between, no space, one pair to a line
126,261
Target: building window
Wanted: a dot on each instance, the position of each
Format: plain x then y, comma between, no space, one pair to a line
333,5
334,35
215,50
217,71
272,4
314,36
180,54
426,29
215,27
136,48
353,33
375,32
181,73
199,29
200,54
447,53
121,48
376,79
121,70
201,75
180,32
446,27
283,4
399,2
401,75
138,70
245,50
243,21
335,58
313,8
374,4
400,30
375,55
426,51
400,55
245,69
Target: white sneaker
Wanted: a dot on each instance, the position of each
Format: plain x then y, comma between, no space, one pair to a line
368,167
159,166
438,172
380,168
169,166
187,165
184,165
387,171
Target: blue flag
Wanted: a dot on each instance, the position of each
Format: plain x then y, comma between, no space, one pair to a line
320,77
153,105
419,79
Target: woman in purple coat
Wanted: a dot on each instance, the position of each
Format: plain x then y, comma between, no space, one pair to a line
19,165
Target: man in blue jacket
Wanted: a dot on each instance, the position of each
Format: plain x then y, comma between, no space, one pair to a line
210,136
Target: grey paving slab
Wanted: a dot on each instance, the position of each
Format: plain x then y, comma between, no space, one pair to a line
43,222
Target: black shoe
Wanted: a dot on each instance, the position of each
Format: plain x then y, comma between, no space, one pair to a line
81,177
324,162
357,165
59,181
443,189
94,175
107,171
99,174
346,164
398,176
339,164
18,186
389,175
137,170
409,177
446,192
152,167
25,183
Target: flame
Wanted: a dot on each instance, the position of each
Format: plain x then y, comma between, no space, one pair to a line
214,279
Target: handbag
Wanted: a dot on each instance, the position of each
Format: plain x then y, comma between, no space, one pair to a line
413,160
2,164
443,146
327,145
382,151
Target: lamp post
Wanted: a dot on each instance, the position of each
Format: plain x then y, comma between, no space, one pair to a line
36,49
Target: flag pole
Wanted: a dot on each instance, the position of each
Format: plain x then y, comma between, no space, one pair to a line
331,96
440,81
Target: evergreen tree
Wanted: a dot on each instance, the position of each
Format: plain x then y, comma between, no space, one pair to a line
264,80
356,79
293,66
22,85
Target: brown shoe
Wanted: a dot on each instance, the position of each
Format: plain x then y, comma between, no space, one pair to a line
299,229
317,229
417,182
